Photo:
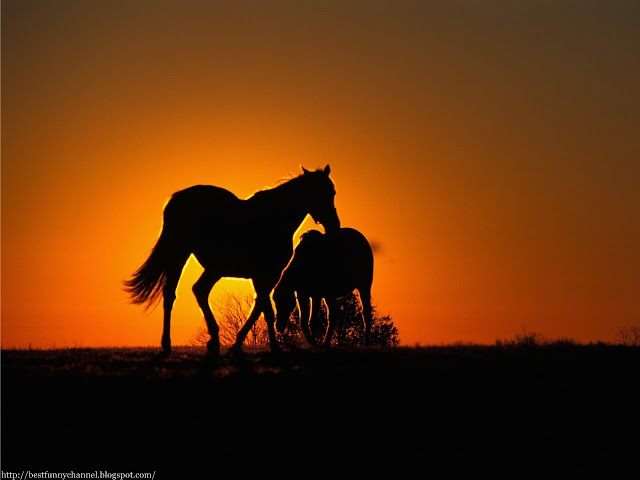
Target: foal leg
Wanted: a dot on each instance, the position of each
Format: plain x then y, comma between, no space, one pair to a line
315,320
332,306
304,308
365,299
201,289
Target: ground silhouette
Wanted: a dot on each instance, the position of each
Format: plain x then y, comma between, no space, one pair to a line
394,411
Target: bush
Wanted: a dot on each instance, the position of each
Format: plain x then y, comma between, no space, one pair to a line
233,309
349,330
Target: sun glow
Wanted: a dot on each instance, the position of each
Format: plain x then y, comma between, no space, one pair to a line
457,145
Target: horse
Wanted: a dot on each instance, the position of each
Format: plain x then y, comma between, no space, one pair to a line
325,266
231,237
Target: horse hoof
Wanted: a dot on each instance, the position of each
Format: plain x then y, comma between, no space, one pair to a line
211,358
234,351
213,348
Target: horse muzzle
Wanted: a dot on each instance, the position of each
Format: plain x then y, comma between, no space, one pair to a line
331,224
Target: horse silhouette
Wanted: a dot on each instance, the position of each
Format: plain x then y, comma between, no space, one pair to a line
230,237
328,267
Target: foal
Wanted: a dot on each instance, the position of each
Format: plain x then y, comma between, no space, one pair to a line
328,266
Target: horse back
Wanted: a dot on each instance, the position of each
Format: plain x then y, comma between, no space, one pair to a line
350,255
200,197
224,232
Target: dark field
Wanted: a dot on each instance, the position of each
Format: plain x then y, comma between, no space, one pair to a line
300,412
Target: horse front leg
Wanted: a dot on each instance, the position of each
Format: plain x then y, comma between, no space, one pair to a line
201,289
262,304
269,317
236,348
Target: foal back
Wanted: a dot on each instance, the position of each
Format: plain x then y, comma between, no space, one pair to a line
342,263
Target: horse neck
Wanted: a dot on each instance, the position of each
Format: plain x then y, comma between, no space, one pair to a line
283,205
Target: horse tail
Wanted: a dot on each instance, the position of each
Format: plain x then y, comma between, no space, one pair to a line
147,283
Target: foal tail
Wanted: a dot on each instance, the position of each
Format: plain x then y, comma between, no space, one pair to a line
147,283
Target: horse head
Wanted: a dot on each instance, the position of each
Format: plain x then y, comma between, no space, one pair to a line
321,193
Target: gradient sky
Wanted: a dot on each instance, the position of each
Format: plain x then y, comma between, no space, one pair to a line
490,150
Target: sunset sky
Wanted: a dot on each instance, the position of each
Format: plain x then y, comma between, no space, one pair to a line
489,150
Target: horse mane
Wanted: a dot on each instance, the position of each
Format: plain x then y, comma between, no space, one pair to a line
282,185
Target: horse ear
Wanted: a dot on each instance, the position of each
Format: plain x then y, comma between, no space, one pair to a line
304,170
327,169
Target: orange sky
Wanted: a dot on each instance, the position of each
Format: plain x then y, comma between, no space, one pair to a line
489,149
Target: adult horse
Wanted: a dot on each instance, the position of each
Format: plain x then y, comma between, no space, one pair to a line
326,267
231,237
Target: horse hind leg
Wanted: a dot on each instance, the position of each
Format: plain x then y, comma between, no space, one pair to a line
169,296
201,289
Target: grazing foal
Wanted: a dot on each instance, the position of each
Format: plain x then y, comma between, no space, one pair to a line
328,266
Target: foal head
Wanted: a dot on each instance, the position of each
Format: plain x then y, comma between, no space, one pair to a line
321,193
